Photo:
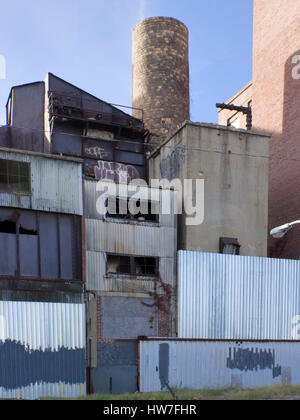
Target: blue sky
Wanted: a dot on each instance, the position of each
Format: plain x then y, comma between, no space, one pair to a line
88,43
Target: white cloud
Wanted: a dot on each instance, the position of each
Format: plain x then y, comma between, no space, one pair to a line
2,67
142,9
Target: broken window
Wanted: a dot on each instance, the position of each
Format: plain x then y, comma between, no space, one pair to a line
229,246
117,264
118,208
146,266
8,226
133,266
15,177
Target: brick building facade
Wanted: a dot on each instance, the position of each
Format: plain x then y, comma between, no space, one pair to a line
275,104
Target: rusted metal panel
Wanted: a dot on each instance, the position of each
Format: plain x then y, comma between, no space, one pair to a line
217,364
42,350
233,297
68,101
50,191
144,239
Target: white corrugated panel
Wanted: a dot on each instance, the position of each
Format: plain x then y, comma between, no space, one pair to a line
56,185
233,297
132,239
214,364
42,350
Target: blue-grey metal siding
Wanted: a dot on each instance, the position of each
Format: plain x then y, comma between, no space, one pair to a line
217,364
233,297
42,350
116,372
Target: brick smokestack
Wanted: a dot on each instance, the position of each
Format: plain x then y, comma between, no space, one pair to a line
161,74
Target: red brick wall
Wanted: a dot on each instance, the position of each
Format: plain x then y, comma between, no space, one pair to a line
276,108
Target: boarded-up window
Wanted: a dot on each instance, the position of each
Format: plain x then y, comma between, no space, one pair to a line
39,245
28,240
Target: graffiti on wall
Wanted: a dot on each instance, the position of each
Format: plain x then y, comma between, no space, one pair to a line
171,165
112,171
253,360
96,152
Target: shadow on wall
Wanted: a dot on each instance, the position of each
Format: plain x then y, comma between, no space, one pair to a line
284,192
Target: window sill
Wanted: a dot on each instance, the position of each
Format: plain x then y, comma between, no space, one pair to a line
19,194
130,277
131,222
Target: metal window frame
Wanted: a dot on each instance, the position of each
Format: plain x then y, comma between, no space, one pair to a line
18,192
229,241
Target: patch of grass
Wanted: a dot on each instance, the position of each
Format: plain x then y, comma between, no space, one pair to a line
275,392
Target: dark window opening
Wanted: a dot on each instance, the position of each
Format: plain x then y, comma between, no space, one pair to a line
14,177
121,210
9,227
229,246
146,266
133,266
24,231
118,265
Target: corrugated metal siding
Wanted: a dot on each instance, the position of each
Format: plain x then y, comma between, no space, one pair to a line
42,350
211,365
130,239
91,196
126,239
98,281
231,297
56,185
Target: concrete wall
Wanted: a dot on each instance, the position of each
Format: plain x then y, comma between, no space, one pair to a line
234,165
